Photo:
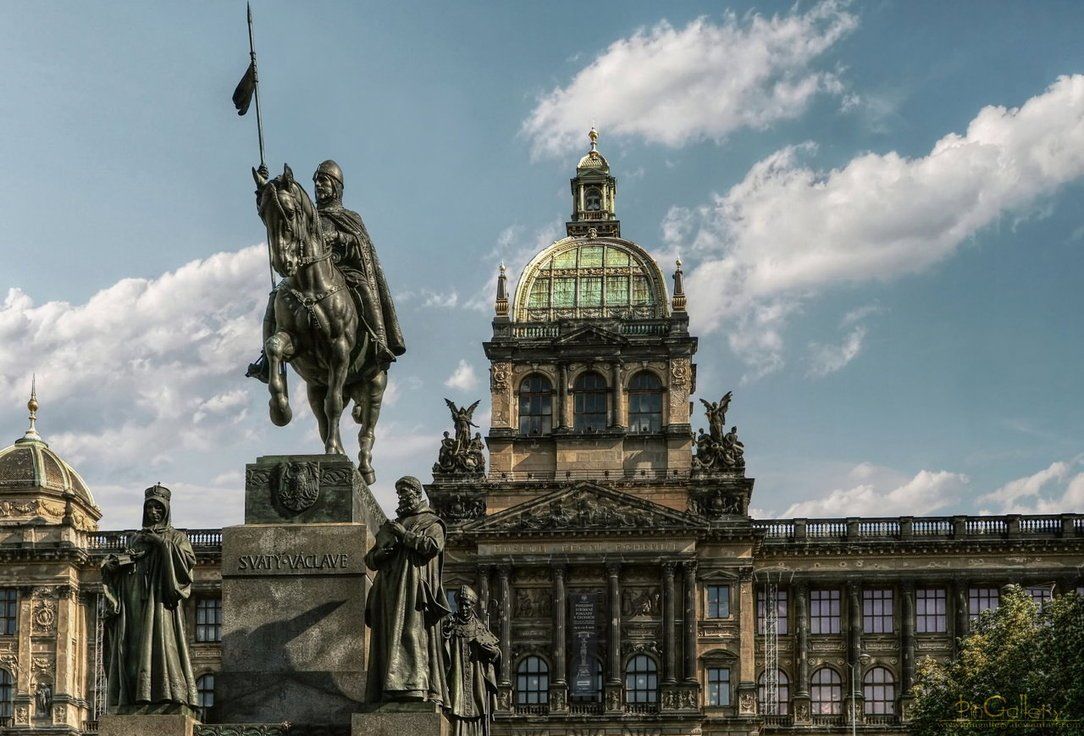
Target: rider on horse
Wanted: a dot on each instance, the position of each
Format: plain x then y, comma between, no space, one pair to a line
355,257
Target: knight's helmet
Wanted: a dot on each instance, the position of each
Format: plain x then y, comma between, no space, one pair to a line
330,168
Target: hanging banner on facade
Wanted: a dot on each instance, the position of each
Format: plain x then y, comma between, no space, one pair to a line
584,643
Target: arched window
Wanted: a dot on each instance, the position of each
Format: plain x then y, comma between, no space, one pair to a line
595,675
592,199
879,692
7,694
589,398
826,692
641,680
205,690
535,405
782,695
645,403
532,681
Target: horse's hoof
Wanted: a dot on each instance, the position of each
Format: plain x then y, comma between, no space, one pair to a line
369,476
281,414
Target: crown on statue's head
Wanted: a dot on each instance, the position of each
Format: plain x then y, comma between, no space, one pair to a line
158,492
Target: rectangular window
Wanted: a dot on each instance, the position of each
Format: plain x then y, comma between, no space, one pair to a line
781,626
877,611
718,601
824,612
617,291
930,607
209,619
9,606
718,686
640,292
981,599
1041,594
564,293
590,291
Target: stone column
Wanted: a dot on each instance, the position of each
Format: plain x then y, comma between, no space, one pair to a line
613,572
612,689
483,597
960,609
801,690
505,602
907,637
560,607
563,412
689,568
620,414
854,648
668,632
907,647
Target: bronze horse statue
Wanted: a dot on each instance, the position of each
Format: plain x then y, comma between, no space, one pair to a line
319,327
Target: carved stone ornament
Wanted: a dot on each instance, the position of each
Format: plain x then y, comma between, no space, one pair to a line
533,603
679,373
641,602
613,699
44,616
504,699
461,507
558,698
499,374
22,716
299,485
587,508
629,648
747,704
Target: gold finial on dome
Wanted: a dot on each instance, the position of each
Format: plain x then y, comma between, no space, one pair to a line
32,405
593,136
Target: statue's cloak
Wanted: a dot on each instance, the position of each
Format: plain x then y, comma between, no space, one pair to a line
357,260
473,655
405,609
147,650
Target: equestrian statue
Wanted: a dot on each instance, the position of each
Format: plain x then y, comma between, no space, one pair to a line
331,316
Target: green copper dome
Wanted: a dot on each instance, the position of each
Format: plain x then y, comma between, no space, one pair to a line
591,278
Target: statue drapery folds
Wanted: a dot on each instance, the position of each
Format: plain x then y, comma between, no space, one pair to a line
147,659
407,604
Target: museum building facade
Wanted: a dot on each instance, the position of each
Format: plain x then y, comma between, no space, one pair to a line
611,550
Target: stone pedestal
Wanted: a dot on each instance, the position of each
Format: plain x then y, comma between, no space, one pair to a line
400,719
294,583
147,725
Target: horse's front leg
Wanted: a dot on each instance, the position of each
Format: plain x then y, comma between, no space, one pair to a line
279,348
333,401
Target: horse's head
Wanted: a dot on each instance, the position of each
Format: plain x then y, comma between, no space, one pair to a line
293,227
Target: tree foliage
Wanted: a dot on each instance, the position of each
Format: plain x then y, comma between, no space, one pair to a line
1019,673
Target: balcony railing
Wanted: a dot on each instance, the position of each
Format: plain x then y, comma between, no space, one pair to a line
828,720
641,708
635,327
90,727
1012,526
567,475
585,709
116,540
532,709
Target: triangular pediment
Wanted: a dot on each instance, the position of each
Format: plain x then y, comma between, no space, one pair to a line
591,334
587,506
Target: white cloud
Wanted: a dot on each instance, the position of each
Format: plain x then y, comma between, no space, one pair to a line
145,373
675,85
441,300
786,231
463,377
825,359
1054,489
926,492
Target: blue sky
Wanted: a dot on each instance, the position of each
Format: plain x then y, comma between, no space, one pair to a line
877,204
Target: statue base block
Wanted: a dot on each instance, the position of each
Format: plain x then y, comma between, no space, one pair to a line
400,719
177,724
294,583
